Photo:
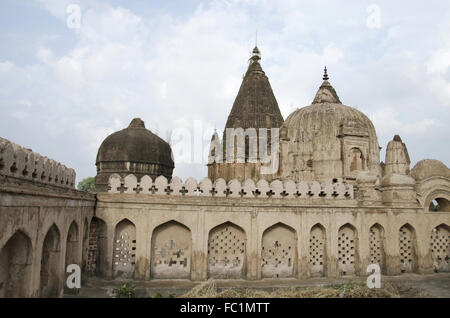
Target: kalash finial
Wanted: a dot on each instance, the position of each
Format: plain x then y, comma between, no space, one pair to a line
256,55
325,74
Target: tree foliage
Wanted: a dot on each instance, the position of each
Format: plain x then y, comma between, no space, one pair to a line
87,184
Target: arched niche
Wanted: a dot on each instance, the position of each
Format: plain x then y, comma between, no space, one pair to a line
347,250
278,252
440,248
377,246
226,251
317,251
124,250
357,160
407,249
15,266
50,270
171,249
72,245
97,245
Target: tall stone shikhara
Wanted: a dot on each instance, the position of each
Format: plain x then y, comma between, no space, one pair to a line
255,107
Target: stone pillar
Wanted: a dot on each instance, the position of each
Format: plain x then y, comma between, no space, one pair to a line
199,263
303,236
107,270
363,244
424,262
392,245
253,249
142,265
332,240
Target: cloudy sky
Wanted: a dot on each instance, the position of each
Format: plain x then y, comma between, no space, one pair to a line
178,65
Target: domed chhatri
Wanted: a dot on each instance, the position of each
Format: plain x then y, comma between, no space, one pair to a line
133,150
328,140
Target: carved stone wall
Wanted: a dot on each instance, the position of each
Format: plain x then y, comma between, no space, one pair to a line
171,251
233,189
376,245
226,252
440,248
317,251
22,163
347,247
407,249
278,254
124,249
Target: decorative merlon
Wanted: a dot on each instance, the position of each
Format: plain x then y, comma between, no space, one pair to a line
232,189
23,163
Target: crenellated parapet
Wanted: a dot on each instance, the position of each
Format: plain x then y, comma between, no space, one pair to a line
233,189
23,163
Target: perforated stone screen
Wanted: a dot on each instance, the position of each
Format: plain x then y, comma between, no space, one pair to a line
440,249
407,252
226,252
278,252
317,249
124,249
346,250
376,245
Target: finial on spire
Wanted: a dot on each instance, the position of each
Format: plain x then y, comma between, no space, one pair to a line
256,55
325,74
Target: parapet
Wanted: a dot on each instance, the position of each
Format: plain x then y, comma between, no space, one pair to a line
233,189
23,163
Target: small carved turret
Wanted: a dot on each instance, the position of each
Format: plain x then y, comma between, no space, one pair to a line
397,157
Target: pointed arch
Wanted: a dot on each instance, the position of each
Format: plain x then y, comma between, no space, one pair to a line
227,251
124,251
50,261
440,248
377,246
407,248
85,244
15,265
171,249
279,251
97,245
347,250
318,250
72,244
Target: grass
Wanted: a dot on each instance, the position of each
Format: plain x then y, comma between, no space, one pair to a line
349,289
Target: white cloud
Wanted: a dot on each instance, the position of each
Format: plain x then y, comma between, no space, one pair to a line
6,66
172,70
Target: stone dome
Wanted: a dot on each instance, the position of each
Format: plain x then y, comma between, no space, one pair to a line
135,150
429,168
328,140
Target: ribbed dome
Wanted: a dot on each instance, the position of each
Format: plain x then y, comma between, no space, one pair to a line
328,140
133,150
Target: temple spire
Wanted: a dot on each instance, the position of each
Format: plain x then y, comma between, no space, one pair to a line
326,92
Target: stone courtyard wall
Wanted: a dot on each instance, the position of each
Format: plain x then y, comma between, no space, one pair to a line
263,237
44,223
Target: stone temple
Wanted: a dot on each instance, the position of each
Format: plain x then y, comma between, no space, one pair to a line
330,208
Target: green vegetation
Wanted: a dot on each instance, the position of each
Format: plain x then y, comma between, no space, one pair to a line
126,290
87,184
